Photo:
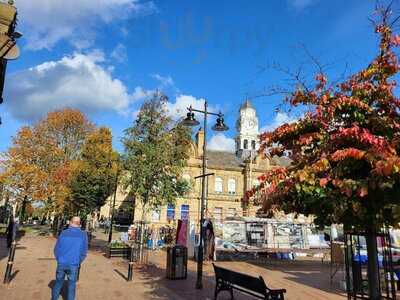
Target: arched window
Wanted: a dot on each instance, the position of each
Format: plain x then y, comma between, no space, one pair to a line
218,184
253,145
232,186
245,144
155,215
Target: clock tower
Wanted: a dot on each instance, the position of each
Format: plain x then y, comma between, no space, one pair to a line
247,141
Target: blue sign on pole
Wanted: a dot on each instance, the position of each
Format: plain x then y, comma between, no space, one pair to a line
170,212
185,212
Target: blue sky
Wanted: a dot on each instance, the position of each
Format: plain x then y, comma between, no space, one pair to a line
106,56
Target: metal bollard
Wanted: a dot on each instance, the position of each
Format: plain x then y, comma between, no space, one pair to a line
130,267
10,262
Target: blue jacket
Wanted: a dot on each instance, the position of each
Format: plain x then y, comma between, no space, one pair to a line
71,247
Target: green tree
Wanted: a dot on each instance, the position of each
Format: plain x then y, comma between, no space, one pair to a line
94,179
156,151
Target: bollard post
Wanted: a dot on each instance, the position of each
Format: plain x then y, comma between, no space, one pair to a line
130,267
10,262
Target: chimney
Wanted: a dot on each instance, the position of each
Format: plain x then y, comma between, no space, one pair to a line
200,142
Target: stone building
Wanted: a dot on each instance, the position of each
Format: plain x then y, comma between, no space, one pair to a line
234,174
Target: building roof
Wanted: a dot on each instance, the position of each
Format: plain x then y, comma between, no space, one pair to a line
282,161
223,159
247,104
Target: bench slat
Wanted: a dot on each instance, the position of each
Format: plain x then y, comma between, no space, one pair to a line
245,283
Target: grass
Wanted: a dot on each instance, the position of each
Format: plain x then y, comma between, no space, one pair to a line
28,229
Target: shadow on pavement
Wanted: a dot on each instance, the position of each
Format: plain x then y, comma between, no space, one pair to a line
161,287
121,274
64,288
13,275
309,273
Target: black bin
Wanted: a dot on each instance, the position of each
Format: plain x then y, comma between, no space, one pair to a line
177,262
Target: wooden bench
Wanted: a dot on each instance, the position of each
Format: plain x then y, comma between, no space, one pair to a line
228,280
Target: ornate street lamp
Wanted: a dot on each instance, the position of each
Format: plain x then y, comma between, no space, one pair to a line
8,40
219,126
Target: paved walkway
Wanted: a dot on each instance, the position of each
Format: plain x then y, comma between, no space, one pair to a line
102,278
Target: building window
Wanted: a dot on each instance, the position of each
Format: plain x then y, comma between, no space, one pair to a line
155,215
245,144
218,214
184,212
218,184
231,212
170,212
232,186
253,145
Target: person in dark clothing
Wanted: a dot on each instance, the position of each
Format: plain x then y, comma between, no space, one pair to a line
9,231
70,251
12,231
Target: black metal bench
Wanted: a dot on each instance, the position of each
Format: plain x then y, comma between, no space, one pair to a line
228,280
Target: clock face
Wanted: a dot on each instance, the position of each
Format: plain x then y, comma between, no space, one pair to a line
251,124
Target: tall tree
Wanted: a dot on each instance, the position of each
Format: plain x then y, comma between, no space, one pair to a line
156,151
41,160
21,174
95,178
346,163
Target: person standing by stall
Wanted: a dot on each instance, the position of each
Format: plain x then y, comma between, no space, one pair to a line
209,240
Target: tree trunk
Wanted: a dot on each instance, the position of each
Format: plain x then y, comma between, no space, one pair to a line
373,275
141,245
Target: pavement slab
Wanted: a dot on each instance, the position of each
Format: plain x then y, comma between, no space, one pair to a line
103,278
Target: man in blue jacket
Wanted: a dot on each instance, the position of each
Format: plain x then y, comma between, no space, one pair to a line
70,251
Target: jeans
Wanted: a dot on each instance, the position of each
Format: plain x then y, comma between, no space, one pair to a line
72,273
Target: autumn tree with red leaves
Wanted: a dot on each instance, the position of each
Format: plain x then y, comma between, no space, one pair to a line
345,152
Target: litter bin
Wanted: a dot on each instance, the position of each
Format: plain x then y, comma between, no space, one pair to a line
177,262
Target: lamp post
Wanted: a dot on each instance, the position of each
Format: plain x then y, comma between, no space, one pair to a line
219,126
8,40
113,203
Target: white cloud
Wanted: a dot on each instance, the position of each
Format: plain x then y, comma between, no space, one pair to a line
178,109
165,81
140,93
280,118
301,4
46,22
78,81
182,102
220,142
119,53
